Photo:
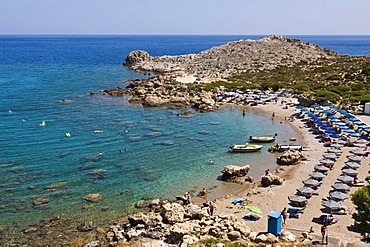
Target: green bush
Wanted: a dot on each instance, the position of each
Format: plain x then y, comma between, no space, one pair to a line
326,96
361,198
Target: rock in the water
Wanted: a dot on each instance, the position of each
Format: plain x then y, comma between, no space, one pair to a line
93,197
136,57
40,201
271,179
85,226
56,185
289,157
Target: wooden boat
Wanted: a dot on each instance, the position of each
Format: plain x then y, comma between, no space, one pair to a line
262,138
246,148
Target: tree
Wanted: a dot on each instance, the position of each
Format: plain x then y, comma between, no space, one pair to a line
361,198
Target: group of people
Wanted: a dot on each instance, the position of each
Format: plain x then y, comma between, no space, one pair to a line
203,193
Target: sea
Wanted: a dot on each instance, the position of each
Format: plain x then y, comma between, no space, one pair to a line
146,152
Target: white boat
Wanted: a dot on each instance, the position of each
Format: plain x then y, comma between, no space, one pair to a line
245,148
42,124
262,138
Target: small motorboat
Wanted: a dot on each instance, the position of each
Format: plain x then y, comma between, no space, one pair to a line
42,124
262,138
246,148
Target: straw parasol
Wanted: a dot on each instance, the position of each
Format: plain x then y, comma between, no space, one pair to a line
297,199
341,186
321,168
331,156
350,172
311,182
355,158
353,165
345,179
331,204
339,196
358,152
306,191
317,175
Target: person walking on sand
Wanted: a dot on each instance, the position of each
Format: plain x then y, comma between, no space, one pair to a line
212,207
284,214
323,232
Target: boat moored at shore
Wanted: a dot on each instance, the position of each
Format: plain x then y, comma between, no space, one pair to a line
244,148
262,138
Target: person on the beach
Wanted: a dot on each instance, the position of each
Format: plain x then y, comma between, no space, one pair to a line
203,192
267,172
243,113
273,115
284,213
187,197
100,154
212,207
323,233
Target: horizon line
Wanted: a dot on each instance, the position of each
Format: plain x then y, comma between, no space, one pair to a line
74,34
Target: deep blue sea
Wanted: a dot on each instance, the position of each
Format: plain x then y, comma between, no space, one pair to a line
162,155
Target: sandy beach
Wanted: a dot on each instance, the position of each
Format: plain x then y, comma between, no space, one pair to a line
275,198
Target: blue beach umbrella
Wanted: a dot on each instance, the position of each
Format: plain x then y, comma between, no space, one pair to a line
349,131
341,111
355,134
335,120
340,123
343,127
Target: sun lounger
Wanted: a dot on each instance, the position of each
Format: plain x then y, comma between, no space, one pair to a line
296,210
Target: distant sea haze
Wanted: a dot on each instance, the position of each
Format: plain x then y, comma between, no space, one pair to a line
146,152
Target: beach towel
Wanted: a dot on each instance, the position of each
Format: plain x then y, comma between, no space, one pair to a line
252,217
255,209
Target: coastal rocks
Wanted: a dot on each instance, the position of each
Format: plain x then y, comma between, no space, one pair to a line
135,57
271,179
237,174
85,226
172,213
57,185
93,197
289,157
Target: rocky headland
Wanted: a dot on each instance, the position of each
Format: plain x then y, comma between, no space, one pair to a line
175,75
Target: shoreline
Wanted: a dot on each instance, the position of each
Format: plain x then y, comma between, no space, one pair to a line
276,197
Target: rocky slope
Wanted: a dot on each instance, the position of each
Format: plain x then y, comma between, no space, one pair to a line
233,57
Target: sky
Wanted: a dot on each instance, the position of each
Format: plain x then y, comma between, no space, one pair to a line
209,17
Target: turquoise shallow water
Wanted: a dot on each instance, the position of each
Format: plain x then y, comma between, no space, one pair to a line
166,154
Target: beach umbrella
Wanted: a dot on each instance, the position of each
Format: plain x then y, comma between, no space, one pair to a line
349,131
338,196
362,141
345,179
305,191
355,158
334,150
334,119
336,145
327,162
341,142
317,175
331,204
255,209
341,186
367,129
358,122
350,172
297,199
311,182
359,145
353,165
321,168
358,152
340,123
331,156
355,134
341,111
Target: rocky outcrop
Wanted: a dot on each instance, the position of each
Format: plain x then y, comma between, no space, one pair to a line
164,91
289,157
271,179
232,57
237,174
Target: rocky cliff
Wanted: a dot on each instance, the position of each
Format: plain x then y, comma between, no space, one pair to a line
233,57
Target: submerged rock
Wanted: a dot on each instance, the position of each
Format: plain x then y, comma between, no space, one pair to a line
93,197
57,185
40,201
